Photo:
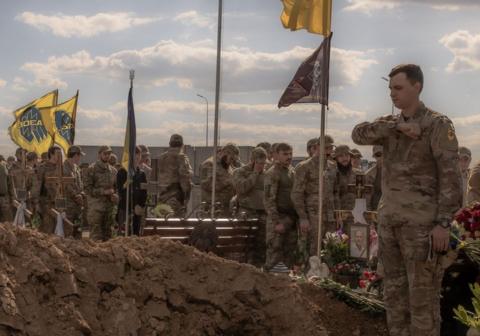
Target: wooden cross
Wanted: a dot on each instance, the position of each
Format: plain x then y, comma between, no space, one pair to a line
21,193
60,180
359,212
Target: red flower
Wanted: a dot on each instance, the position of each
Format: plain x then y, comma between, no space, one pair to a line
362,283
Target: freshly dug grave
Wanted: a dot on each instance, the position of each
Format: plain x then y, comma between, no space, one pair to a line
146,286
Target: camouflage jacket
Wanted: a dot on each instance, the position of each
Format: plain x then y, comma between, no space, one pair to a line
421,179
99,177
249,187
43,188
75,188
174,171
18,180
473,192
305,188
373,177
345,197
224,189
278,187
6,183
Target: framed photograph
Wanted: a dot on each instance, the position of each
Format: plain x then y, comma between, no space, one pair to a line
359,241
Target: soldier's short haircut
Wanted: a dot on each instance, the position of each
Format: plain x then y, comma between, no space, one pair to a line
283,147
258,153
412,71
265,145
32,156
51,151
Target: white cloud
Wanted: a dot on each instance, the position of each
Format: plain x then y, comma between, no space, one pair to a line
368,6
3,83
337,111
465,48
19,84
83,26
193,18
467,121
193,65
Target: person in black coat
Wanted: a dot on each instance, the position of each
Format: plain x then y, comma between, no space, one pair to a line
138,196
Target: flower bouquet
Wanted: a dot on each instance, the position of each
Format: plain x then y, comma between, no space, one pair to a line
335,248
346,273
466,232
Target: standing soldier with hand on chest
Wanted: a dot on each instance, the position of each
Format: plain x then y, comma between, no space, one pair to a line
249,183
100,187
421,190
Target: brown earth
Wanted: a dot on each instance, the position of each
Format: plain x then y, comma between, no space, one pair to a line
146,286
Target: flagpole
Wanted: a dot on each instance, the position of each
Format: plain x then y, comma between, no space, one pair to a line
321,152
127,195
217,101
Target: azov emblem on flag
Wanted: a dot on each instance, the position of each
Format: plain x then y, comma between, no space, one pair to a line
31,125
64,125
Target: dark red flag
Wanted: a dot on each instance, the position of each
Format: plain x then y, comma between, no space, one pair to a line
310,83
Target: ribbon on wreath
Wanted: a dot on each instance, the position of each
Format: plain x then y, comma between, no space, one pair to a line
59,227
19,219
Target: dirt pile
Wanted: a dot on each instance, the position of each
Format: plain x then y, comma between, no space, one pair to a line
145,286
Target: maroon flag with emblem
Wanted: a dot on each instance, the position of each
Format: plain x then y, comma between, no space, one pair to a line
310,83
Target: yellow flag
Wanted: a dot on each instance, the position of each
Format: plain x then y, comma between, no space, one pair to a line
312,15
60,122
28,130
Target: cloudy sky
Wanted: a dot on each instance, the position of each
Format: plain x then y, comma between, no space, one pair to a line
90,45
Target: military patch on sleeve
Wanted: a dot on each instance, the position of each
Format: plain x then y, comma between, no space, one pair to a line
451,133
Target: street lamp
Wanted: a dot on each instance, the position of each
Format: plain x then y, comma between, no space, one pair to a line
393,106
206,133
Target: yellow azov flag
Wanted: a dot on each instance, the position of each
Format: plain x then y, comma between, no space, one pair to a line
312,15
28,130
60,122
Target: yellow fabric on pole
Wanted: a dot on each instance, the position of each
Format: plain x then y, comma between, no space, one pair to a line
312,15
60,122
28,130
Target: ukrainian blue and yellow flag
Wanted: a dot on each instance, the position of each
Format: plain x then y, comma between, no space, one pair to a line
28,130
60,122
312,15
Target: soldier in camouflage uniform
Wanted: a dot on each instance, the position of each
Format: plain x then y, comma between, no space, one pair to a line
74,194
281,216
23,180
345,198
473,188
6,193
373,177
224,190
44,191
305,195
100,187
421,190
465,158
175,175
249,182
146,163
356,158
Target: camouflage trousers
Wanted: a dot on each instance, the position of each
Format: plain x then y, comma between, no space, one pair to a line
281,247
256,254
312,235
48,221
74,214
100,217
5,209
412,280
